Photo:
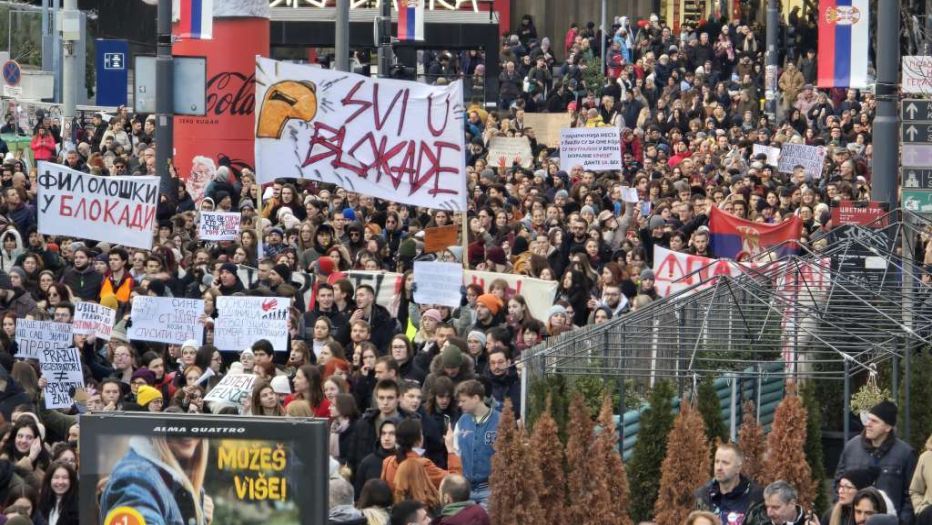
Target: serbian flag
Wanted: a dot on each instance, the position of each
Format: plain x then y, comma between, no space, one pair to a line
843,41
738,239
195,19
410,19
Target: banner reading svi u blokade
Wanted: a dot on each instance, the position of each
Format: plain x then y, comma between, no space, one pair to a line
118,210
391,139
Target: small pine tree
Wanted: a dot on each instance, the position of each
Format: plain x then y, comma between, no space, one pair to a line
515,479
616,483
813,449
549,453
685,468
786,458
753,443
711,409
578,461
650,450
551,389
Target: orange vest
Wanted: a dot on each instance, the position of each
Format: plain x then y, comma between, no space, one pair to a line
122,291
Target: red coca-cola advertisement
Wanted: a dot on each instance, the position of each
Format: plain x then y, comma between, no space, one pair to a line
226,130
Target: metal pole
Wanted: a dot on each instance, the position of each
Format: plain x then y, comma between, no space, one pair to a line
69,67
886,143
733,409
164,98
385,39
604,44
341,60
56,48
47,38
846,419
908,289
772,58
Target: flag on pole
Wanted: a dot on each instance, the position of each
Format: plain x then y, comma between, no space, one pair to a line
411,20
843,42
195,19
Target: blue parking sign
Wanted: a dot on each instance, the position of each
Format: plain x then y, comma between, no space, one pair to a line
112,75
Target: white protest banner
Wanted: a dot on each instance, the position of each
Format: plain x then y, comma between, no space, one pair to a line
61,367
92,318
917,75
387,286
676,271
242,321
809,157
32,337
118,210
166,319
233,389
630,195
436,283
390,139
538,292
773,153
596,149
511,149
218,226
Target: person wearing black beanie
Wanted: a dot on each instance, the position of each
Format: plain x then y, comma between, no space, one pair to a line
878,447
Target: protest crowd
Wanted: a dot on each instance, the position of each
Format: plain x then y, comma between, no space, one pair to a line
413,390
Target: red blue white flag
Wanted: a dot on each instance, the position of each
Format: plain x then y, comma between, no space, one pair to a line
735,238
410,19
844,38
195,19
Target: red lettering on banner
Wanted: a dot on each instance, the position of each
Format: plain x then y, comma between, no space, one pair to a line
143,215
348,100
446,116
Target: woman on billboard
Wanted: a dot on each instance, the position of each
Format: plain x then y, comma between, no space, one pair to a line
159,481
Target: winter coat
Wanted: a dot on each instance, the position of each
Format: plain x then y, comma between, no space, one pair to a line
507,386
21,304
896,462
463,513
757,515
370,468
365,439
8,258
709,497
417,477
84,283
43,147
920,490
24,218
474,444
467,371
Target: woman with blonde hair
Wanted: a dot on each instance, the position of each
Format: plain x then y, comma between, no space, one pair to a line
702,517
920,490
162,479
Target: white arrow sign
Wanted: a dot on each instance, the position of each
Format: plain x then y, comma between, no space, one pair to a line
911,132
912,109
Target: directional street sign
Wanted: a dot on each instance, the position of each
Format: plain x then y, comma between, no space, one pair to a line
919,155
916,178
918,133
916,109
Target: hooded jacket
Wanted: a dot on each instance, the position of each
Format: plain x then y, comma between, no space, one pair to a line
467,371
370,468
507,386
8,258
895,460
746,494
20,304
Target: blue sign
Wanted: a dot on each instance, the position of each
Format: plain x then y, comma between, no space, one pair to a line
11,73
112,75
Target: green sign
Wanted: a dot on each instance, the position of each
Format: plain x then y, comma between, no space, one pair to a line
918,201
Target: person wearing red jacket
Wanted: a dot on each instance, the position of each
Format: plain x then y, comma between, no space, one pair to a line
458,509
43,145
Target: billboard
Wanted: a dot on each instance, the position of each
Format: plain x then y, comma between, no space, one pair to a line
139,468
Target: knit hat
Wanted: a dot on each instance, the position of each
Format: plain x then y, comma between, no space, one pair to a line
110,301
146,394
451,357
457,252
190,342
860,478
247,351
146,374
283,272
886,411
236,368
492,302
281,385
434,314
556,310
325,266
647,274
656,222
477,335
496,254
276,230
407,248
18,270
228,267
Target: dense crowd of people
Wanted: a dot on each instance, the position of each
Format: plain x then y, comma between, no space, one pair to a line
414,398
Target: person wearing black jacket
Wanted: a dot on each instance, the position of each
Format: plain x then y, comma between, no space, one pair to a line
411,406
381,325
83,280
365,433
729,494
371,466
504,377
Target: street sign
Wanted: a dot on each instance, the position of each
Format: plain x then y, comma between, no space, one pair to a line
12,74
917,155
919,201
916,133
914,109
916,178
112,74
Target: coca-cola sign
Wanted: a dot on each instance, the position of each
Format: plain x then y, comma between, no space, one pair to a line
231,93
